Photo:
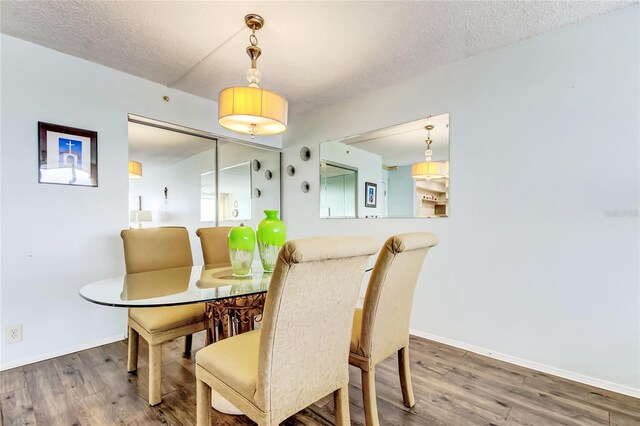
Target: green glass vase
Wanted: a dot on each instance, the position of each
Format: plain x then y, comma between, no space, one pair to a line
272,235
242,246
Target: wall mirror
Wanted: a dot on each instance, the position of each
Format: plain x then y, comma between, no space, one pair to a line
185,177
399,171
234,192
174,183
239,183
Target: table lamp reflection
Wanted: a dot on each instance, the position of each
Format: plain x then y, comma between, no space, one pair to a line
140,216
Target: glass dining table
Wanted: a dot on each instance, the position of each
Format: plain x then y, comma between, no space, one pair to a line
233,304
217,286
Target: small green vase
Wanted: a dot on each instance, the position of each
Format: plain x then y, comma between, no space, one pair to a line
272,235
242,246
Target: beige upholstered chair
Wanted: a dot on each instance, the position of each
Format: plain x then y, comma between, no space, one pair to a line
153,249
381,327
215,249
301,352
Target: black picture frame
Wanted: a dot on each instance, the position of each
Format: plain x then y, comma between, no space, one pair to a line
67,155
370,194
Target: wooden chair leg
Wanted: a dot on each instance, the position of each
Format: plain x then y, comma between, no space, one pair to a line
155,374
188,341
132,353
369,397
405,377
341,401
203,403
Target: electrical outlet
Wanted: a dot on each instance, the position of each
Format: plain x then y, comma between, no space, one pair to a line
13,333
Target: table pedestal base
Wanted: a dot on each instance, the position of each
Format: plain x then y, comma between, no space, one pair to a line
223,405
229,317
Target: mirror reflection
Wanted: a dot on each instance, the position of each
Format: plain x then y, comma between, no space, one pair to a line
235,192
178,177
338,190
245,188
399,171
208,197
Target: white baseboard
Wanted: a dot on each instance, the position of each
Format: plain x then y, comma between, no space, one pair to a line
581,378
60,352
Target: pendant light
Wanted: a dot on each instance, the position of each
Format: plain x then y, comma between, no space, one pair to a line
429,169
250,109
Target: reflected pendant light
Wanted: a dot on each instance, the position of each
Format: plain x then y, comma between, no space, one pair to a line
250,109
135,169
429,169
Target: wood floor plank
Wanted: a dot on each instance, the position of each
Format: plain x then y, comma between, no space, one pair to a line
554,408
109,407
11,380
620,419
78,380
93,356
486,362
573,386
181,403
465,365
390,414
388,388
310,417
424,385
50,402
17,408
588,395
424,345
526,417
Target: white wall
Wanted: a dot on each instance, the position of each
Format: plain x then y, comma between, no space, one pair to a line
43,265
539,259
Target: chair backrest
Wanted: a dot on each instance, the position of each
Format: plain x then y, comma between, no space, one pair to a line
306,329
151,249
215,249
387,303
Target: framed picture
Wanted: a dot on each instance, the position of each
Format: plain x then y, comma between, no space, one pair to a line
67,156
371,194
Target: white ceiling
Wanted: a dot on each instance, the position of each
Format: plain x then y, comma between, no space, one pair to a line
314,53
154,147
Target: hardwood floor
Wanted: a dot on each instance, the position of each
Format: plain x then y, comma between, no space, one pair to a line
452,387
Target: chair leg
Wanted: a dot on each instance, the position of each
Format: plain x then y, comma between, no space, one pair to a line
203,403
155,374
188,341
132,353
341,401
405,377
369,397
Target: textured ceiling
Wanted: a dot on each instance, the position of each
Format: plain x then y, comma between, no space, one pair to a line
314,53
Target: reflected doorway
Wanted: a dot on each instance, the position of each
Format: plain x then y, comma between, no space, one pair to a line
338,191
